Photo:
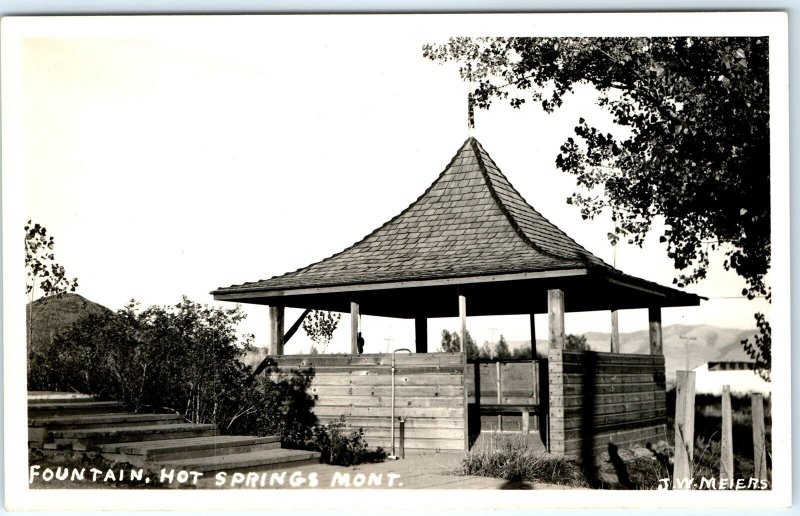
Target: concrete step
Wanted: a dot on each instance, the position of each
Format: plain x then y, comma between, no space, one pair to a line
85,421
35,397
88,439
258,460
72,408
137,453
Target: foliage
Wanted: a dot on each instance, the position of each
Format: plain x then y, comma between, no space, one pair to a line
319,325
692,145
576,343
338,447
513,458
760,348
451,343
501,350
42,269
185,358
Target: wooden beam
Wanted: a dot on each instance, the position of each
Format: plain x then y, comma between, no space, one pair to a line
296,326
462,319
354,315
684,430
421,333
555,318
656,344
614,331
533,337
276,330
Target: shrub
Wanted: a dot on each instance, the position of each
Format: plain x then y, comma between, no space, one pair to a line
336,446
185,358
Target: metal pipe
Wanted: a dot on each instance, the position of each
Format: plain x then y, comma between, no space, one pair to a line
391,418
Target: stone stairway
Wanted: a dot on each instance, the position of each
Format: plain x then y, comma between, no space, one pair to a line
79,423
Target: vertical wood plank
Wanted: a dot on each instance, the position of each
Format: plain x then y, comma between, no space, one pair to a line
421,333
656,345
526,422
533,336
684,430
555,318
759,449
726,445
614,331
276,330
354,316
462,320
535,367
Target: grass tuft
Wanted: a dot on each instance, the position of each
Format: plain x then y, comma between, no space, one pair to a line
512,457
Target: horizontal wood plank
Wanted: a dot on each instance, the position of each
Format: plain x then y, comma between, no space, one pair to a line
413,391
386,401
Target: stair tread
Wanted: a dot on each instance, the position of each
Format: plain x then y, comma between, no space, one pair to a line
51,396
263,457
187,443
75,404
128,430
100,418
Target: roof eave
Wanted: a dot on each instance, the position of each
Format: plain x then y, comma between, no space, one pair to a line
256,292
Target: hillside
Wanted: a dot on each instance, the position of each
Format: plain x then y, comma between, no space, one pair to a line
53,314
712,343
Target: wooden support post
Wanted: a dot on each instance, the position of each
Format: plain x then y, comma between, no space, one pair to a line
354,316
726,445
555,318
656,345
421,333
684,430
526,422
759,448
533,337
499,378
614,331
462,319
276,330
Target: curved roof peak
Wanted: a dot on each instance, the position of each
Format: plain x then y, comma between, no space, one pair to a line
469,222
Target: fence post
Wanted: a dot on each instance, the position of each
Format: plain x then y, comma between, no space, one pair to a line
726,446
759,450
684,430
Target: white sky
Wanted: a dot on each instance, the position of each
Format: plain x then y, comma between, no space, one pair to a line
176,157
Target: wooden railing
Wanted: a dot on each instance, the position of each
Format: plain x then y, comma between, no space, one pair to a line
510,389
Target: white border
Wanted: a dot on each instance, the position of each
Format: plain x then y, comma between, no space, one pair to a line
435,27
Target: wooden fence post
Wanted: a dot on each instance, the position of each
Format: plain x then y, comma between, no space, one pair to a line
684,431
759,449
726,446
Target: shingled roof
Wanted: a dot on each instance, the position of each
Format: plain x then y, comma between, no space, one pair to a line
469,223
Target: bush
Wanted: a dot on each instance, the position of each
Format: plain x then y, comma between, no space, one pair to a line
184,358
341,448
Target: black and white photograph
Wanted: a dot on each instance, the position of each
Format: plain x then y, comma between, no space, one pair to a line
338,258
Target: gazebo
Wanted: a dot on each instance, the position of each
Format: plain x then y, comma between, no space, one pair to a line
470,245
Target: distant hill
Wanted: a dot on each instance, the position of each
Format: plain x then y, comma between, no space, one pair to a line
51,315
712,343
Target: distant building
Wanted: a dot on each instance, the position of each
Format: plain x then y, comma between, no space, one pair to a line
739,374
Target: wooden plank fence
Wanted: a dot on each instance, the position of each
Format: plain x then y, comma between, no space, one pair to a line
599,398
429,396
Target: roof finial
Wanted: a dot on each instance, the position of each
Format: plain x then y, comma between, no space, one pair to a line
470,114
